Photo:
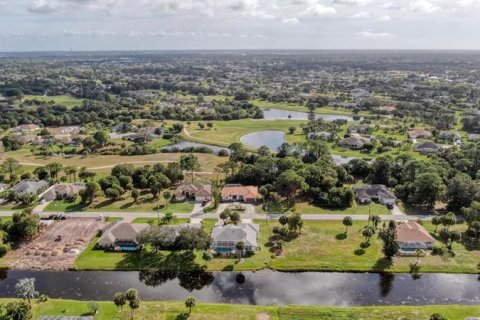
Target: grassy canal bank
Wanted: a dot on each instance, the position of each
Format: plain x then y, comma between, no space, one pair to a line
322,246
177,310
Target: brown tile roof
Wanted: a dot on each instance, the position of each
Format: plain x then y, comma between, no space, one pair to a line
245,191
412,231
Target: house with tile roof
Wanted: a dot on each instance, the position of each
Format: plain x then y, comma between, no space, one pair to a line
411,237
194,192
239,193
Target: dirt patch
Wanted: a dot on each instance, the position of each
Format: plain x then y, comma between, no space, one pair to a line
57,247
262,316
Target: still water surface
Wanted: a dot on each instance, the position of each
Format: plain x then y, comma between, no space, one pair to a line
263,287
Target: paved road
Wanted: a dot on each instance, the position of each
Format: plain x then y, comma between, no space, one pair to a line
312,217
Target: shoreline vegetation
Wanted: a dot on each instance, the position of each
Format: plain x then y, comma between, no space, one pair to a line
175,309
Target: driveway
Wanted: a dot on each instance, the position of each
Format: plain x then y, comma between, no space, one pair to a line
396,211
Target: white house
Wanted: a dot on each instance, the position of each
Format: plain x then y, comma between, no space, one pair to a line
375,192
226,237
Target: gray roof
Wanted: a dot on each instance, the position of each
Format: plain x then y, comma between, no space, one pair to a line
374,190
29,186
428,145
245,232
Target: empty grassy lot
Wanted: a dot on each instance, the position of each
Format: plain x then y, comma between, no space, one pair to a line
322,246
146,203
174,310
296,107
94,162
305,207
66,100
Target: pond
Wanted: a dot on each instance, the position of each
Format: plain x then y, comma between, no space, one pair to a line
339,160
187,144
258,288
270,138
279,114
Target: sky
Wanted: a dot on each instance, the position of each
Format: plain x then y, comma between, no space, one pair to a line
52,25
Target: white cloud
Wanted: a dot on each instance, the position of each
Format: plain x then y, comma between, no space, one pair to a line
318,10
384,18
424,6
293,20
361,15
361,3
371,34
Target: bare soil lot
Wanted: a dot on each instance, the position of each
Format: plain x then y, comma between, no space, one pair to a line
57,247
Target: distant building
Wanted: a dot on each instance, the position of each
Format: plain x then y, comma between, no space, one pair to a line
449,136
428,147
374,192
122,235
29,187
195,192
63,190
474,137
359,129
411,236
237,192
354,142
420,134
226,237
27,128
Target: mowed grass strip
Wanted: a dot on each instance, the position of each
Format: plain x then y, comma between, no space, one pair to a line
66,100
150,310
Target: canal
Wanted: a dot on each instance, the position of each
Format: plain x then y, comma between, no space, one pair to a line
260,288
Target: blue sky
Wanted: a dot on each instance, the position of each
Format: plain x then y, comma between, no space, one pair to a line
39,25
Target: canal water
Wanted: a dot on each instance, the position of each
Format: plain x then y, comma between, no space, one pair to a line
257,288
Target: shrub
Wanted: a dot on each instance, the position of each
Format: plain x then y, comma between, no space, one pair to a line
3,250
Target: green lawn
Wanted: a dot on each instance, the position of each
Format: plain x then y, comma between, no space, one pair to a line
304,207
146,203
322,246
155,220
224,133
173,310
66,100
296,107
13,206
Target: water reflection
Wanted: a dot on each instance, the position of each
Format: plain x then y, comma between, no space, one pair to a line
270,138
262,287
386,283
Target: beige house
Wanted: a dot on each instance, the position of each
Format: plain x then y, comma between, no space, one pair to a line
195,192
121,236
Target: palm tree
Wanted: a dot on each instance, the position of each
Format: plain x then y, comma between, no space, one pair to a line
347,222
167,196
190,303
120,299
169,218
240,246
224,216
